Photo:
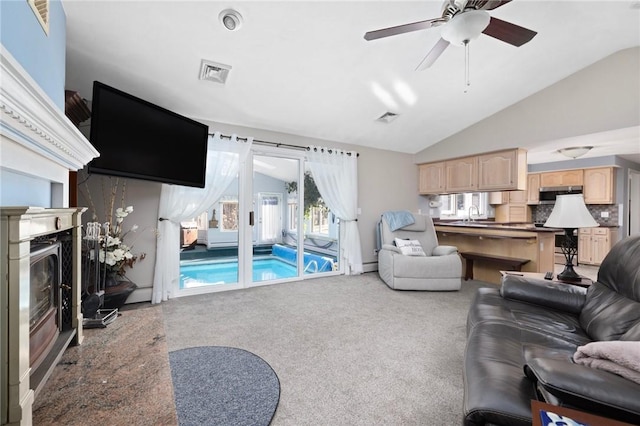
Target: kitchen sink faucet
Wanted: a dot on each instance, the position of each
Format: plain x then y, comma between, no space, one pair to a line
471,207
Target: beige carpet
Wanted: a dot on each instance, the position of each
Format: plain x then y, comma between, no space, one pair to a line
347,350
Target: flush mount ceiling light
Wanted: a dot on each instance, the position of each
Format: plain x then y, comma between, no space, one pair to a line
214,71
231,19
575,151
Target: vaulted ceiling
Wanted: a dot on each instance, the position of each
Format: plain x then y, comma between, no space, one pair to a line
304,67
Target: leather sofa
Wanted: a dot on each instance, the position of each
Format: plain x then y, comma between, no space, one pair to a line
521,338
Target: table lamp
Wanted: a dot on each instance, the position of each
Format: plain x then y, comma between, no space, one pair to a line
569,213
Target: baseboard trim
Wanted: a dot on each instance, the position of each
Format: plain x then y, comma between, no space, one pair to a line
370,267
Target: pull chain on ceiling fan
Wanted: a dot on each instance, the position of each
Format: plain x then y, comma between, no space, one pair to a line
461,21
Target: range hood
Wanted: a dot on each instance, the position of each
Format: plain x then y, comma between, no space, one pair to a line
548,194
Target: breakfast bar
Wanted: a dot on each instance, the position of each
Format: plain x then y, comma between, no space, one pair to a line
500,242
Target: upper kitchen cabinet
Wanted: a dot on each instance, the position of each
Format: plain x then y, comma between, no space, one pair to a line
562,178
491,172
533,188
431,179
461,175
503,170
598,185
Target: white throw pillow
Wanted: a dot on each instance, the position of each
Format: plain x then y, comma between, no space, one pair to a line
410,247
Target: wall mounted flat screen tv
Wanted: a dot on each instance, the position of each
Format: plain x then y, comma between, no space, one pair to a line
140,140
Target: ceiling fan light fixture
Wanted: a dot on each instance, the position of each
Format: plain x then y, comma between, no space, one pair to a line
465,26
575,151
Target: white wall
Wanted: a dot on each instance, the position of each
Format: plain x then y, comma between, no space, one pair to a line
599,98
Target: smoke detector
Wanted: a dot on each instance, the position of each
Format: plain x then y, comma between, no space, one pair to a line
231,19
387,117
214,71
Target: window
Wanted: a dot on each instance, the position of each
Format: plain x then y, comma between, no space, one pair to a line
229,215
319,220
292,216
458,205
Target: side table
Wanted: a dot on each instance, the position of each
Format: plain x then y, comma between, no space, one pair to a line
584,282
543,414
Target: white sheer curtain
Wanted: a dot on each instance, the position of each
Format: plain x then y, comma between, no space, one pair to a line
335,173
182,203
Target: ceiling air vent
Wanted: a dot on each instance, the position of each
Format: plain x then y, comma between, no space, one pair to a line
387,117
41,9
214,71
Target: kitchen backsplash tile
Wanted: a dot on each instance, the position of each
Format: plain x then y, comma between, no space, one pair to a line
540,213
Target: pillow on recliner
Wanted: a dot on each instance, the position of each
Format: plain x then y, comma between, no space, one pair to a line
410,247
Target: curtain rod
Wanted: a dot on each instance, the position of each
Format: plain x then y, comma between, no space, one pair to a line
276,144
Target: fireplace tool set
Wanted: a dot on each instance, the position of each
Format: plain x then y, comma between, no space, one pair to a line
93,281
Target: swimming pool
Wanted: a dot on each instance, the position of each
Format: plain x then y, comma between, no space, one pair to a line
200,273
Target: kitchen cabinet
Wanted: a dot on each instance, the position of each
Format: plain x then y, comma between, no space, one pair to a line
513,213
595,243
598,185
502,170
498,197
461,175
506,197
533,188
562,178
491,172
518,197
431,178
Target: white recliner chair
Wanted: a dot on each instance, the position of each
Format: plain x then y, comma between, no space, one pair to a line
439,269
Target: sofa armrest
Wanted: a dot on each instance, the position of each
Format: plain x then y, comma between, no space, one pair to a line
444,250
587,388
391,247
559,296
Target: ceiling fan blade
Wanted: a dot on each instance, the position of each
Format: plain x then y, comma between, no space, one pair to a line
401,29
490,4
508,32
433,54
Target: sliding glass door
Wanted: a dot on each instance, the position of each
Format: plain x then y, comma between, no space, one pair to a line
273,252
264,229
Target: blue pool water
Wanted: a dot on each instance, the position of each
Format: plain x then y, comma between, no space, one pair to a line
199,274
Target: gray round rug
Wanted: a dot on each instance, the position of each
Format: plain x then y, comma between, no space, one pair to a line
219,385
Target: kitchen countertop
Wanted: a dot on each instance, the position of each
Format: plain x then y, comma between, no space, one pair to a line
488,224
530,227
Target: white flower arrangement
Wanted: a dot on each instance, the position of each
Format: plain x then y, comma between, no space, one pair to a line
114,253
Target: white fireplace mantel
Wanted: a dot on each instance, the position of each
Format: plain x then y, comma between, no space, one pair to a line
36,140
29,118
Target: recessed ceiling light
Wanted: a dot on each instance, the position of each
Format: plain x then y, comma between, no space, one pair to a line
231,19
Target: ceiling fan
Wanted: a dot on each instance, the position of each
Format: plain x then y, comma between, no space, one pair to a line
461,21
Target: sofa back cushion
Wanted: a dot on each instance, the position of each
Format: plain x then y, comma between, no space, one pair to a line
606,314
612,307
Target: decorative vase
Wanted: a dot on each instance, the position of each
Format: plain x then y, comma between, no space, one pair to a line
111,279
115,297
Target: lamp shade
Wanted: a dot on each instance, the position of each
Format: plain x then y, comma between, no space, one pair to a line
570,211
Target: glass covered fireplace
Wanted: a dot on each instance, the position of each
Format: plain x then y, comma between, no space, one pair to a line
46,304
40,309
